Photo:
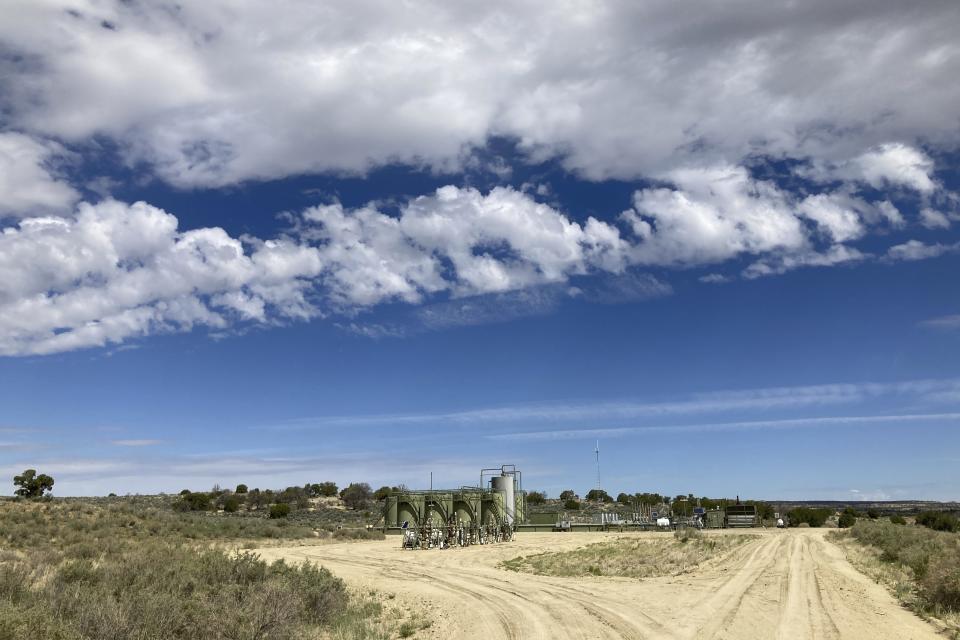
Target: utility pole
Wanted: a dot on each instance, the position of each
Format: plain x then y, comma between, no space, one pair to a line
597,452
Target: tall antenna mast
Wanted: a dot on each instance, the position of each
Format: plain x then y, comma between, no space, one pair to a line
597,451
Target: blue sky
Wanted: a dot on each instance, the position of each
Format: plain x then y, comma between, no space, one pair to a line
409,242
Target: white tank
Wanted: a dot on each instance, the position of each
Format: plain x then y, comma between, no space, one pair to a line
504,484
663,522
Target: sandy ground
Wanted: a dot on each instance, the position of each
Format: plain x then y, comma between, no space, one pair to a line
786,584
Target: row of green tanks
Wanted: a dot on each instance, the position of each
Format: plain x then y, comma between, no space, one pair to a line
444,518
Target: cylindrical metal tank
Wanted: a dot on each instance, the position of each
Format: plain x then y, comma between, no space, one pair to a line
406,512
505,484
462,511
390,518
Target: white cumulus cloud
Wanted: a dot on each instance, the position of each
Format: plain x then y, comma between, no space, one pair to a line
456,240
115,271
916,250
897,164
220,91
28,180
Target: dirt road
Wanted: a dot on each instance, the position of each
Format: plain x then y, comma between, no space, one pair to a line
787,584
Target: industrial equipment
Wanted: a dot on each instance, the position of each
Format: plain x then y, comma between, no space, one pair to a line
439,519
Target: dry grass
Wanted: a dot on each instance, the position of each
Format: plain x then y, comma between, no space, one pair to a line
631,557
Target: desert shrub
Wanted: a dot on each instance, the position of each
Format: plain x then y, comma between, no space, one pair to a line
571,505
78,571
166,591
940,585
279,510
231,504
848,518
192,501
939,521
685,534
932,557
898,519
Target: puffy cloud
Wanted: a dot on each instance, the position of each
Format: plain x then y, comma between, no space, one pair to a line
897,164
115,271
891,164
28,181
710,215
933,219
209,96
111,272
835,216
714,214
456,240
916,250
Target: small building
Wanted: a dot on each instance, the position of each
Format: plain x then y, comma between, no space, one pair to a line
741,515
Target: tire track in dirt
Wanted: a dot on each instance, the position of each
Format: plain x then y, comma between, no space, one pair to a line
785,584
496,593
727,601
507,614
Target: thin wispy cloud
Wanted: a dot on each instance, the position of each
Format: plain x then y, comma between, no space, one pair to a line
943,322
751,425
136,443
701,403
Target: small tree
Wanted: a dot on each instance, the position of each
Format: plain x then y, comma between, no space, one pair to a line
571,505
32,485
356,495
382,493
536,497
257,499
294,495
241,488
598,495
847,519
231,504
624,498
325,489
567,495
